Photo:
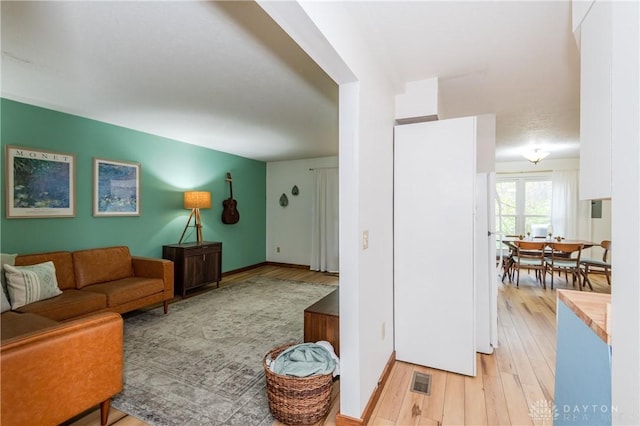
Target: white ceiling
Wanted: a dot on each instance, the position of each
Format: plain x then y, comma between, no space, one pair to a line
224,76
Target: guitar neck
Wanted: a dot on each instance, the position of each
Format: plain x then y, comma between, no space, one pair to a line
230,187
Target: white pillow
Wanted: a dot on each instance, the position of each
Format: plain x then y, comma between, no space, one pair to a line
4,302
5,259
32,283
9,259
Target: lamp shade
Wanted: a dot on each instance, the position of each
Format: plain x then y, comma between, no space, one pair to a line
197,200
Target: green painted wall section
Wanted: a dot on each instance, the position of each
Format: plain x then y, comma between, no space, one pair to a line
168,168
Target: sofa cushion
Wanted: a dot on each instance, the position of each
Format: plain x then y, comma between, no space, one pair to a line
48,377
16,324
62,261
101,265
127,289
70,304
28,284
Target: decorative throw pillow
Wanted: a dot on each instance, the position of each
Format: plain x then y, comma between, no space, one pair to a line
28,284
4,302
6,259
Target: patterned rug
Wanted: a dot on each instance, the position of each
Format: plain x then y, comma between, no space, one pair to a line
202,363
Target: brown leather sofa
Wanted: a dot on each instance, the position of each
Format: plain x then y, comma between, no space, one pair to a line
63,355
101,279
50,375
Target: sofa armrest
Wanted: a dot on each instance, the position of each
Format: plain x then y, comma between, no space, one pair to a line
151,267
53,374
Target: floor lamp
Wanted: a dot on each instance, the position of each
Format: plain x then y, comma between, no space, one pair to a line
196,200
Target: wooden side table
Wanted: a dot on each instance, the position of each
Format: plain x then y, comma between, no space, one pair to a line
195,264
322,321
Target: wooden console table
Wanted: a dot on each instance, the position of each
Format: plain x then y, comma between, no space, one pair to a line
195,264
322,321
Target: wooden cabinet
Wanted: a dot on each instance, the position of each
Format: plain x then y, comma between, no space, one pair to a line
322,321
595,102
194,264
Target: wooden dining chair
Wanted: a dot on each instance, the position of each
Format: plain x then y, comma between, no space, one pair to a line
564,257
507,258
530,255
596,266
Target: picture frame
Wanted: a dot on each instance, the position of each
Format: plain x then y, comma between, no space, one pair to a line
116,188
39,183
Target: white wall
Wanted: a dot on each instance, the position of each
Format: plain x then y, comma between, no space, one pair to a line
367,118
625,210
324,31
289,228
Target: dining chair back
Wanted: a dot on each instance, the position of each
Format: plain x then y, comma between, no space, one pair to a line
564,257
530,255
596,266
507,254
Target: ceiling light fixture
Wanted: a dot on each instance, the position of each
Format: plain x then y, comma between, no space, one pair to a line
535,155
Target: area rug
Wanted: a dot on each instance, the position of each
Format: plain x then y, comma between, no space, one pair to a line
202,363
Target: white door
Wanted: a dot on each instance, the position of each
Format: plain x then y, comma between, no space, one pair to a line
495,270
486,273
434,201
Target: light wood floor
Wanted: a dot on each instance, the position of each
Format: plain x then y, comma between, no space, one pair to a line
519,374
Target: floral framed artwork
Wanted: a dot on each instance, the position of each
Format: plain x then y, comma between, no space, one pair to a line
116,188
39,183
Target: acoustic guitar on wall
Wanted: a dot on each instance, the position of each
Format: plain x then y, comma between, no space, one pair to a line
230,214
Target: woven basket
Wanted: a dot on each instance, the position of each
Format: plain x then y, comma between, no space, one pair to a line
297,400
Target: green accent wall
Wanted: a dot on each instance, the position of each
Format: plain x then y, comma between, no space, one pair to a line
168,168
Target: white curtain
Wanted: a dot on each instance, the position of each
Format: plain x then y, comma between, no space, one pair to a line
570,217
324,221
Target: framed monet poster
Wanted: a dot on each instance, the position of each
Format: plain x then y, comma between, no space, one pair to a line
40,183
116,188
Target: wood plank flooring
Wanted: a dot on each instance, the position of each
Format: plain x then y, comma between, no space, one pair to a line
517,376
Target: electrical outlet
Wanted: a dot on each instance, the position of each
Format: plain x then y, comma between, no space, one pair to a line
383,329
365,240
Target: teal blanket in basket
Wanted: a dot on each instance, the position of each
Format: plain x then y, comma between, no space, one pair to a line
303,360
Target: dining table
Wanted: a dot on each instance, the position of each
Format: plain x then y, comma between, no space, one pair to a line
509,242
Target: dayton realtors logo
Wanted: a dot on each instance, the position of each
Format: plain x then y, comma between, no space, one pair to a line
588,413
546,412
543,411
